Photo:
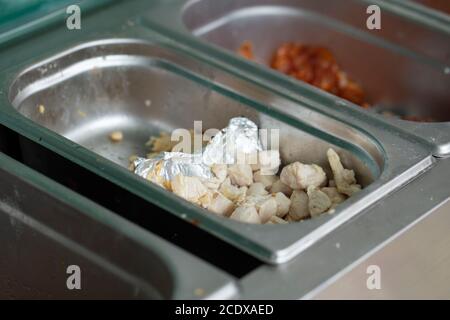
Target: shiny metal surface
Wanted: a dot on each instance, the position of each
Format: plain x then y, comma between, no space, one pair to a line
96,88
44,228
268,24
383,61
440,7
411,182
415,265
330,265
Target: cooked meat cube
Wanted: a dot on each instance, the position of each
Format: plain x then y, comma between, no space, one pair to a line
279,186
206,199
266,180
220,171
241,174
246,214
211,183
265,205
250,159
231,192
334,195
299,205
300,176
189,188
283,204
318,201
269,162
267,208
257,189
276,220
344,179
221,205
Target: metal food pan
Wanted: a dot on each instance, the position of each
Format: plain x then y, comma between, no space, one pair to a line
437,7
45,228
98,87
404,67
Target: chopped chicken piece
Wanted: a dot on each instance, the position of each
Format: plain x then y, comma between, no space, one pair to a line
256,188
334,195
300,176
220,170
283,204
211,183
267,209
279,186
265,205
241,174
318,201
266,180
276,220
250,159
189,188
344,178
221,205
299,205
242,194
253,200
246,214
230,191
269,162
116,136
289,219
206,199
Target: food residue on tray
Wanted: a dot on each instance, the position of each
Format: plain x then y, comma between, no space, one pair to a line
41,109
246,50
259,190
116,136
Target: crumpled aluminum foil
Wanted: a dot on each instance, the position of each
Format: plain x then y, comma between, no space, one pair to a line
168,165
241,136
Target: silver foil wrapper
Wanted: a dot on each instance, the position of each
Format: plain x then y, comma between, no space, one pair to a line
240,137
168,165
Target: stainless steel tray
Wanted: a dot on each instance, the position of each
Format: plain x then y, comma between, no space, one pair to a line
405,66
44,228
98,87
376,216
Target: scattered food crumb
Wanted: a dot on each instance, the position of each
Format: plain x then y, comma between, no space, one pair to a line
116,136
41,109
82,113
338,245
148,103
199,292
